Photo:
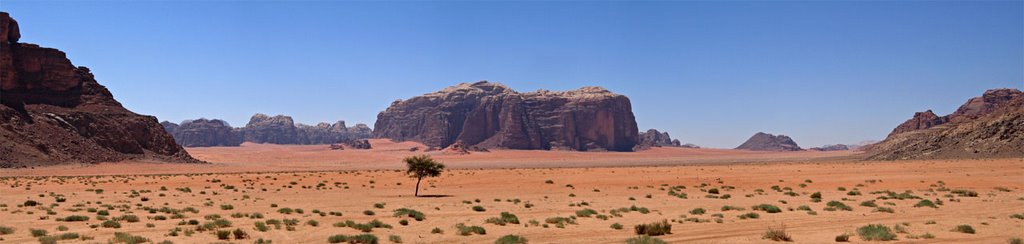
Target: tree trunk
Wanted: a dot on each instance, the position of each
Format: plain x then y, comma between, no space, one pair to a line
418,186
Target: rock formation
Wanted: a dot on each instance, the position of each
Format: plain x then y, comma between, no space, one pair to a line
203,133
972,109
768,142
991,125
655,138
56,113
491,115
836,147
282,129
359,144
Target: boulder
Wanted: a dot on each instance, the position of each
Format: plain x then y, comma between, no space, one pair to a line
204,133
360,144
491,115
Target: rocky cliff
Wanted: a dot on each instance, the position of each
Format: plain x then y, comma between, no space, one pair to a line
491,115
203,133
655,138
768,142
56,113
991,125
836,147
282,129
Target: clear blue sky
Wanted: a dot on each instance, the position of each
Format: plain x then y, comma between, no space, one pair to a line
710,73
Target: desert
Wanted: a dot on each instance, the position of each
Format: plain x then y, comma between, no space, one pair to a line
791,122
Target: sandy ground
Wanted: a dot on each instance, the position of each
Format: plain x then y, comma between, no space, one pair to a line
510,181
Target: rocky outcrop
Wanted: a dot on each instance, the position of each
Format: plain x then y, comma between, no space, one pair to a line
491,115
282,129
56,113
921,120
203,133
836,147
359,144
991,125
655,138
974,108
768,142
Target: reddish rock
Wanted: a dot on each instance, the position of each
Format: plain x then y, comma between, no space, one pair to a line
360,144
655,138
987,103
768,142
490,115
282,129
203,133
56,113
921,120
989,126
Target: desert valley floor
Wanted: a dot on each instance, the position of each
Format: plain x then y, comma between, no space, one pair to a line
305,194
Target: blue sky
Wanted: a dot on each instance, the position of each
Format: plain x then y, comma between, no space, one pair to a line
710,73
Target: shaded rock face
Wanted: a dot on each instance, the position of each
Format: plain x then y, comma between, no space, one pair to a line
359,144
282,129
768,142
56,113
974,108
655,138
203,133
836,147
991,125
490,115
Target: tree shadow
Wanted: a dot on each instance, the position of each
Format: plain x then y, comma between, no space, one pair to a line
435,196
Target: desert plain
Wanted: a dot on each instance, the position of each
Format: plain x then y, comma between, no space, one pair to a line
307,193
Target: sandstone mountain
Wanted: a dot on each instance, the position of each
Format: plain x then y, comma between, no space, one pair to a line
203,133
768,142
836,147
655,138
56,113
991,125
282,129
491,115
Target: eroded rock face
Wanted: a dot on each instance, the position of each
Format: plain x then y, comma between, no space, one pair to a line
836,147
974,108
282,129
56,113
490,115
359,144
655,138
768,142
204,133
988,126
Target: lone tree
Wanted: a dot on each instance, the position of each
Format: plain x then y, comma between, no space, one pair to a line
422,166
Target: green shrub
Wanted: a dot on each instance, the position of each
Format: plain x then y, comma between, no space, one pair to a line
479,208
361,238
925,203
511,239
653,229
37,232
964,229
767,208
837,205
121,237
585,212
750,215
469,230
843,237
698,211
506,218
111,224
616,226
777,234
74,218
4,230
645,240
1015,240
417,215
875,232
223,235
239,234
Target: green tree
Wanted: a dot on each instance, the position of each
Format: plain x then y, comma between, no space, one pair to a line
422,166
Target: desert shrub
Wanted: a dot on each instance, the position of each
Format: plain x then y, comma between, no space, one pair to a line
750,215
239,234
436,231
223,235
875,232
644,240
964,193
226,207
506,218
616,226
885,210
469,230
37,232
121,237
925,203
262,227
767,208
417,215
285,210
1015,241
74,218
843,237
5,230
111,224
585,212
479,208
368,213
777,234
313,223
727,208
361,238
128,218
964,229
653,229
833,205
395,239
870,203
511,239
698,211
403,222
